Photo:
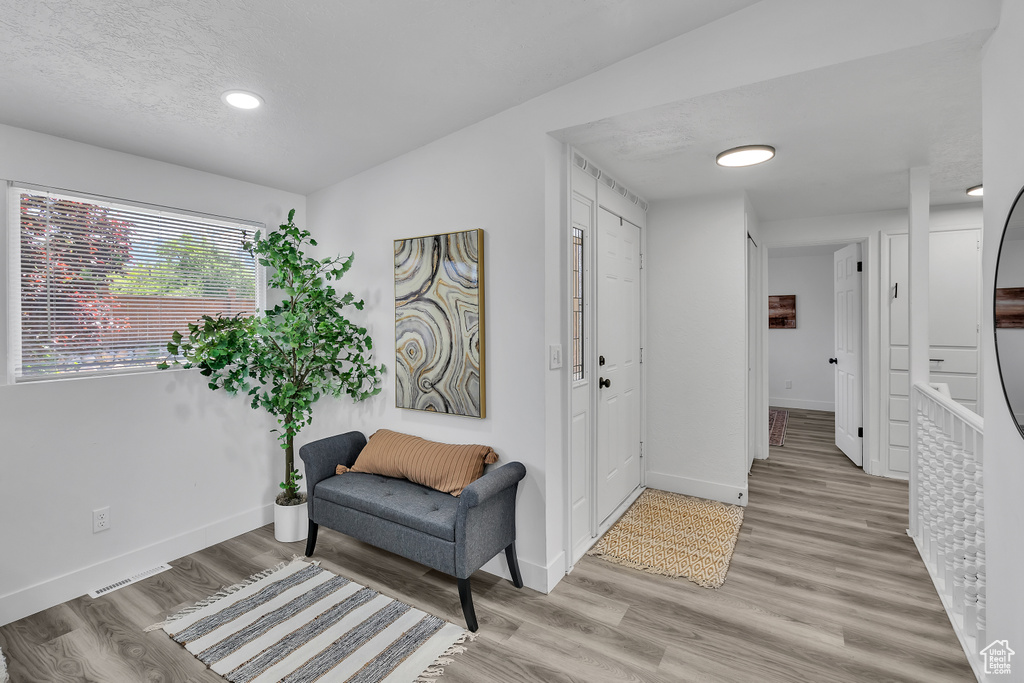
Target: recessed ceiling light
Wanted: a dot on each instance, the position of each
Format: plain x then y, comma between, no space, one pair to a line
748,155
242,99
976,191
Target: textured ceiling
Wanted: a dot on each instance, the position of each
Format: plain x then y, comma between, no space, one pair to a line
348,84
845,136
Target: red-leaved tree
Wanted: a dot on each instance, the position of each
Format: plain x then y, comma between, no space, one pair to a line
70,251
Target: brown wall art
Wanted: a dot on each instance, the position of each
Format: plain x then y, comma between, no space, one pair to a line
1010,307
782,312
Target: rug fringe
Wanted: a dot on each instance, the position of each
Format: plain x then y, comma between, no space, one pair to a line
436,669
3,669
223,593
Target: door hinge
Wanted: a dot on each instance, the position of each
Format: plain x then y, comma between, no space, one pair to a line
860,432
641,355
641,261
641,449
860,266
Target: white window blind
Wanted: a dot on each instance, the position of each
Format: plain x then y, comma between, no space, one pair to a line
103,283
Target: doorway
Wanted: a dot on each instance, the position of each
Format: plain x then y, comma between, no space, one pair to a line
816,358
606,404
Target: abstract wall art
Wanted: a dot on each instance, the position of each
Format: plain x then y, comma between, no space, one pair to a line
439,323
782,312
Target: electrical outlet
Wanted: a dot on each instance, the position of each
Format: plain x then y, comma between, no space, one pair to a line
100,520
555,356
789,384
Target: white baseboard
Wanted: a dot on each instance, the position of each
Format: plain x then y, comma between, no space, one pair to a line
40,596
735,495
801,404
536,576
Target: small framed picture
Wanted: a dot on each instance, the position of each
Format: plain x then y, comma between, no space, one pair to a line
782,312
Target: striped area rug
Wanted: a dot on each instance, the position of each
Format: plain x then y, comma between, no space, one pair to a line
299,623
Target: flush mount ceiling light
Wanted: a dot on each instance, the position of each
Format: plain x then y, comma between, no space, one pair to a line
976,191
242,99
748,155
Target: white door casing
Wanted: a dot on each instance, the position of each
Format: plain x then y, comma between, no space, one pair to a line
618,349
755,339
581,485
849,406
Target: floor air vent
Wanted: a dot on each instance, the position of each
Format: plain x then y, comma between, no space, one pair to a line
129,581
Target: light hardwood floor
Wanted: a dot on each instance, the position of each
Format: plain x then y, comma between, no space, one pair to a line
824,586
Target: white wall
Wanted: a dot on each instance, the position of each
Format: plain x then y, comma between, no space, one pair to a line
441,188
179,466
696,348
186,467
801,355
507,175
1002,114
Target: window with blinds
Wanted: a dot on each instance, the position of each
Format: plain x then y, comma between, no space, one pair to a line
102,283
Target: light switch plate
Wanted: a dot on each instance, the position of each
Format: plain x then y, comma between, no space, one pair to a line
555,356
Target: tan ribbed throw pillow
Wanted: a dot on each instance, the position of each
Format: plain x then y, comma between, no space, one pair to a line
448,468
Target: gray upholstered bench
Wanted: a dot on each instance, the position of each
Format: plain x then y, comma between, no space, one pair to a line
454,535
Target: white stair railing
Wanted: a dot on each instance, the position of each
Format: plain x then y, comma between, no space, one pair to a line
949,524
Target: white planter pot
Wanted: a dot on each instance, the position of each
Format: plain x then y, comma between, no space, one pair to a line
291,522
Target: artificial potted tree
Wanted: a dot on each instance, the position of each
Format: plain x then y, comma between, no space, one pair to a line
299,350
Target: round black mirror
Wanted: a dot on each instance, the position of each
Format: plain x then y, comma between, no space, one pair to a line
1009,311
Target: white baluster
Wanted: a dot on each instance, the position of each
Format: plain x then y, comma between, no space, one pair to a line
923,456
924,481
949,519
970,547
959,536
980,634
980,563
931,490
937,507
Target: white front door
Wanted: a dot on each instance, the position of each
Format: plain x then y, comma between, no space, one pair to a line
618,362
847,287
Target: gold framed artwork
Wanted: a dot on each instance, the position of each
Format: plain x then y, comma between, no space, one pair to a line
439,323
782,312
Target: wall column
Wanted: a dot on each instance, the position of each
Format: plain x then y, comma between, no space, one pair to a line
919,234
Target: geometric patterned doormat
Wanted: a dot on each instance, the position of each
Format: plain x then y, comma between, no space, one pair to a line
674,535
777,420
300,623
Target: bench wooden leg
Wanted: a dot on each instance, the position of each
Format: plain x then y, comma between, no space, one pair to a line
311,538
513,564
466,596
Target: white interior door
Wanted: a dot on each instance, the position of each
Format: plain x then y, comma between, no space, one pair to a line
618,363
847,287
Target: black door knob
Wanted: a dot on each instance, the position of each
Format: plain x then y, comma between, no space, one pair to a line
604,382
834,361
